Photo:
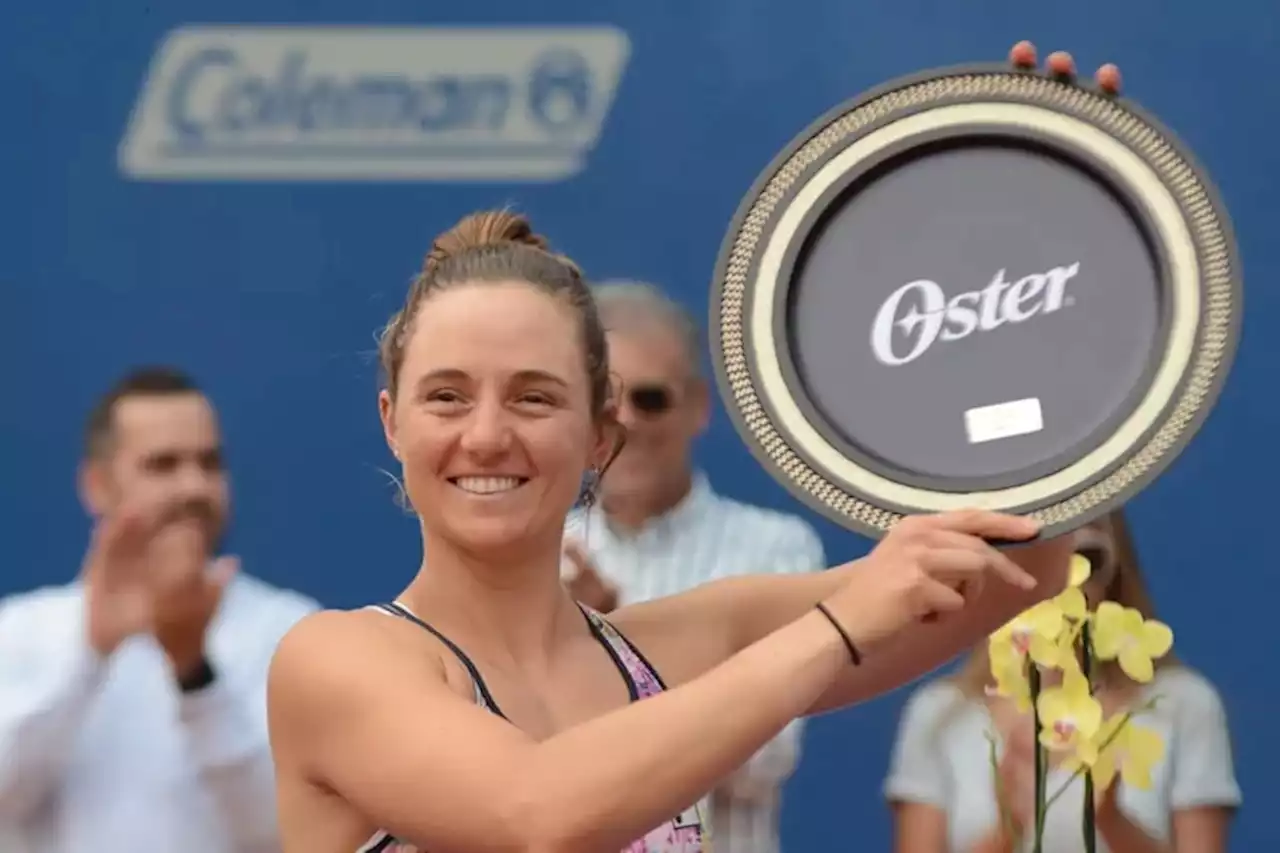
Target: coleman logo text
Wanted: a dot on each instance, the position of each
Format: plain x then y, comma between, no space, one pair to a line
918,314
284,103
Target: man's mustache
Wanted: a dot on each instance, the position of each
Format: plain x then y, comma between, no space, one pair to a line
203,512
197,509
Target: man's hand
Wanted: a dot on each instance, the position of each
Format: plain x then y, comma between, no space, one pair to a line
117,596
586,584
185,591
149,572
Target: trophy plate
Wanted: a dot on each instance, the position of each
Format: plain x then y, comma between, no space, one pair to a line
975,287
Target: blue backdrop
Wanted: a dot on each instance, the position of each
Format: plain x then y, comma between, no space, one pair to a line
207,240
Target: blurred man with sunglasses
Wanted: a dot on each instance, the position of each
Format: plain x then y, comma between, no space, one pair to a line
653,525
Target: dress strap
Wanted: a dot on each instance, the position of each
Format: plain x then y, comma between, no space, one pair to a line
484,697
641,676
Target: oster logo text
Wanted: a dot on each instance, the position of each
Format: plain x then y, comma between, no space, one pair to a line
918,314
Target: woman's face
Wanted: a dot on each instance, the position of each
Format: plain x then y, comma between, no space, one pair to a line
492,420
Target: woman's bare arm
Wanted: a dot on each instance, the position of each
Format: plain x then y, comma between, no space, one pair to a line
1203,829
693,631
919,828
358,716
919,650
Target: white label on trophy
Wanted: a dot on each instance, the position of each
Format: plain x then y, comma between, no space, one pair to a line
937,317
1003,420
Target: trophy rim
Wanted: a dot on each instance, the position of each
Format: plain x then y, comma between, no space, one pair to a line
1207,190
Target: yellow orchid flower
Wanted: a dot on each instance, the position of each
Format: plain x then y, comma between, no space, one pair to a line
1120,633
1047,637
1071,601
1045,633
1072,604
1068,663
1080,570
1009,671
1040,632
1124,749
1070,717
1033,632
1132,754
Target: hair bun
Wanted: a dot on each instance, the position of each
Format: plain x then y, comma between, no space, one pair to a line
486,228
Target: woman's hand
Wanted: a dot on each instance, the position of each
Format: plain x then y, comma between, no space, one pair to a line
1048,560
1106,801
928,566
1016,774
1061,64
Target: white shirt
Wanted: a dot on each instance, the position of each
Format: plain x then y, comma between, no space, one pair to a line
942,759
703,538
108,755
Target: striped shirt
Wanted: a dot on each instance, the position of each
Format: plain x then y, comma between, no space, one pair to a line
704,538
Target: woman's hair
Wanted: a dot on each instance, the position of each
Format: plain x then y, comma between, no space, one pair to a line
1125,587
490,247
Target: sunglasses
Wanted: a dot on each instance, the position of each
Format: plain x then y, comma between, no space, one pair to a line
652,400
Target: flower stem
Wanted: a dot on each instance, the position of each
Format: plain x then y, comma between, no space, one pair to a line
1002,795
1033,677
1062,789
1088,823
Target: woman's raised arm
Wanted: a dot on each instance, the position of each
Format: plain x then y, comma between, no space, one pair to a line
356,715
697,629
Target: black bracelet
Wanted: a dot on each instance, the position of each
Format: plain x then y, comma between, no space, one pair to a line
854,655
198,679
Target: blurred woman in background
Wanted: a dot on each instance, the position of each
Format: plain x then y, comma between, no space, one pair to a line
942,787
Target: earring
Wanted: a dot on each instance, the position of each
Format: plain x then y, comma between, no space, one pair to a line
590,480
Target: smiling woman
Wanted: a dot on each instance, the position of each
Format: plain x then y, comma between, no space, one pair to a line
464,469
484,709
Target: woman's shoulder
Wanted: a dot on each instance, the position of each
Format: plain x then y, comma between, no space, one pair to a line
326,629
940,726
1186,688
339,653
931,704
936,693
